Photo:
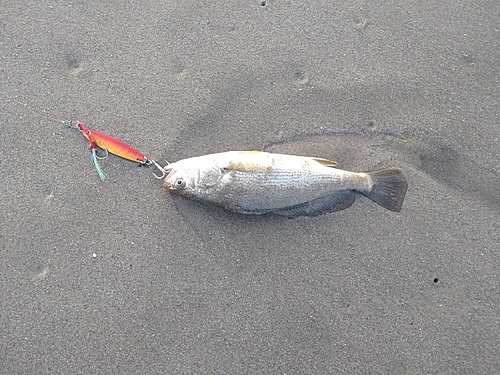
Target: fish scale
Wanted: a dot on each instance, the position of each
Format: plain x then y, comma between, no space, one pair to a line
283,188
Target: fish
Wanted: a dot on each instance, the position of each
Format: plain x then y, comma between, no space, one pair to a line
255,183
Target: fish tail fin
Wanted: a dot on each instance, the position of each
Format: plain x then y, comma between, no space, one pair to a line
388,188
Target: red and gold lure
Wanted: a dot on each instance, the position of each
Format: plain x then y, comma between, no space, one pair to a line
114,146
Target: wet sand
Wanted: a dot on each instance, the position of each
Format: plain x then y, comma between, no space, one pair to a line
121,277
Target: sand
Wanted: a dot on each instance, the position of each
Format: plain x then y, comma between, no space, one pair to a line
122,277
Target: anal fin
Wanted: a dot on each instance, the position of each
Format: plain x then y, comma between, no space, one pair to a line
320,206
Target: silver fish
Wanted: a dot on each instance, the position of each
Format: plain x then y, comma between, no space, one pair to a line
254,182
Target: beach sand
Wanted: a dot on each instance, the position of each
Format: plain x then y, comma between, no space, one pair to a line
122,277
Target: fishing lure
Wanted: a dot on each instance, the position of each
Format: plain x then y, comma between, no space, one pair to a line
116,147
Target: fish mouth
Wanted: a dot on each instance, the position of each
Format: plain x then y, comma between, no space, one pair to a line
168,173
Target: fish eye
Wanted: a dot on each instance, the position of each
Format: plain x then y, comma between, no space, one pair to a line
179,184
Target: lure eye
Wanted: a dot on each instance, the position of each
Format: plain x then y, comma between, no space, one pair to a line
179,184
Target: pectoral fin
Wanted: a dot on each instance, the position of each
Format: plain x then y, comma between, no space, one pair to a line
331,203
325,162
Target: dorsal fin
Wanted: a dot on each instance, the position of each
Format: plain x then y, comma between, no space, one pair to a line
250,152
326,162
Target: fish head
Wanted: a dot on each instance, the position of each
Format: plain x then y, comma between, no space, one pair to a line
192,178
180,180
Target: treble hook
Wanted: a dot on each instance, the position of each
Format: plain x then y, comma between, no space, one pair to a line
160,168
